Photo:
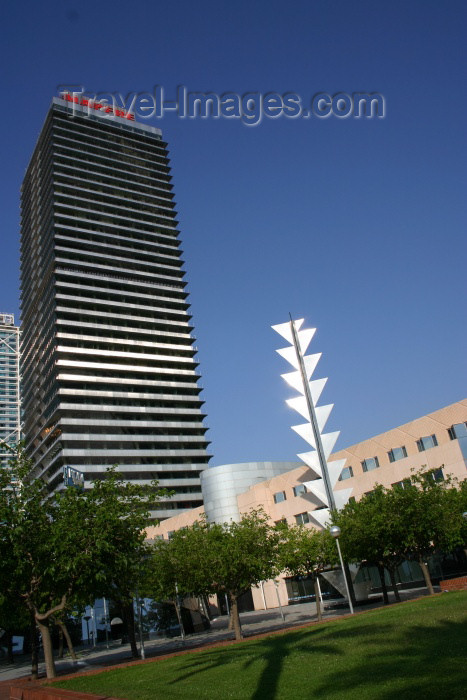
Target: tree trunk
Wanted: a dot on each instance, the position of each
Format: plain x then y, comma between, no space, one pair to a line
60,642
235,616
179,617
204,605
318,601
383,583
34,649
48,651
392,574
129,619
426,575
64,633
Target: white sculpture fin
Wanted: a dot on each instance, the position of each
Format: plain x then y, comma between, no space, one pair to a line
321,516
304,338
300,405
285,330
294,379
306,432
311,459
334,469
310,362
289,354
328,441
322,415
341,497
318,489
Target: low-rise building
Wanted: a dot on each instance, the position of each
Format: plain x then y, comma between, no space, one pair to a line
437,441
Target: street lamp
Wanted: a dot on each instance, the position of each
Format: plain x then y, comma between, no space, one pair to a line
335,532
139,608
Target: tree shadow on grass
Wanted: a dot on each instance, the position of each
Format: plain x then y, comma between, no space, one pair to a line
411,663
420,662
271,653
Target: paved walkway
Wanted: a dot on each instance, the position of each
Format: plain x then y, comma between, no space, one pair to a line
253,623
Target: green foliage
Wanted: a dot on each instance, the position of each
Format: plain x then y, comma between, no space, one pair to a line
62,551
212,558
76,543
371,529
429,515
388,525
305,551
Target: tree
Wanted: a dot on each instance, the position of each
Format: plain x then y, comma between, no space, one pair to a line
208,558
371,532
306,552
14,620
409,521
69,547
180,566
429,518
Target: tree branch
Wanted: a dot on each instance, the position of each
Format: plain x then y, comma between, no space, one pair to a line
57,608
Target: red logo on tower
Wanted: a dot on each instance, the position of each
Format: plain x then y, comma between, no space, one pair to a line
98,106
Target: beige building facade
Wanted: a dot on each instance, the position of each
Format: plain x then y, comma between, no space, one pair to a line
437,441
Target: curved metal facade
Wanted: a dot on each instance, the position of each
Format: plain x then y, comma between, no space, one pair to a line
221,485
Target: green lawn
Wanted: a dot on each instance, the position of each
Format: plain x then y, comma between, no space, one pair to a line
412,650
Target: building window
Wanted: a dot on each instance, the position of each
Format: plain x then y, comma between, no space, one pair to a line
351,499
426,443
405,483
457,431
370,463
299,490
282,521
397,453
346,473
435,474
279,497
302,518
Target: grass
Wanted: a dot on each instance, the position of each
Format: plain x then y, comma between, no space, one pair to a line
412,650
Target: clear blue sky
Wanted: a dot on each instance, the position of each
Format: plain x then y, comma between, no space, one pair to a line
356,225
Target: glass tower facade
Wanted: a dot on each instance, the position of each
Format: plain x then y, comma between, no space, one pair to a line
109,374
10,413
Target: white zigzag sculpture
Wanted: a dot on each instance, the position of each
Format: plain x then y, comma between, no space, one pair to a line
326,473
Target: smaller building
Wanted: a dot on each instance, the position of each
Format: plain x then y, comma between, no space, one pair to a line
437,441
10,408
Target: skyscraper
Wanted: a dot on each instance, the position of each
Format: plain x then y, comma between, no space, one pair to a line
108,368
10,414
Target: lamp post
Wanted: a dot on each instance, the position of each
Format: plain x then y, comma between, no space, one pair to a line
139,608
276,584
335,532
106,622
